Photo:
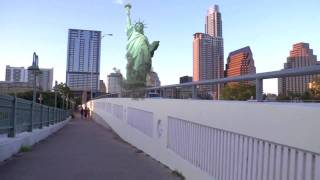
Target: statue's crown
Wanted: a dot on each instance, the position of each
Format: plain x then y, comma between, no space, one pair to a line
141,23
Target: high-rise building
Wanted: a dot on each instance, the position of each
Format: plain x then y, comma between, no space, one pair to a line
300,56
208,52
213,25
208,61
44,79
114,83
185,79
240,62
16,74
83,60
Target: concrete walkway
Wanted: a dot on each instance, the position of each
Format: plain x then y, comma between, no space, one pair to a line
83,150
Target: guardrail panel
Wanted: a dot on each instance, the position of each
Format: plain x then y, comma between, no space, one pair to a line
5,113
23,115
141,120
117,111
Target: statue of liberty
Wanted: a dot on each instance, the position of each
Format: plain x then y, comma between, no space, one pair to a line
139,53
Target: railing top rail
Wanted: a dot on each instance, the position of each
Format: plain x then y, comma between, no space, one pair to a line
250,77
6,97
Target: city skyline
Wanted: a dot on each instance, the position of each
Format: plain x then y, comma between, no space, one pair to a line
270,51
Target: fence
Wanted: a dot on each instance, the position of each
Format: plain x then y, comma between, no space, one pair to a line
19,115
228,155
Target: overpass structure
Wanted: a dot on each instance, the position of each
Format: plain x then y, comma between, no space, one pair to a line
258,78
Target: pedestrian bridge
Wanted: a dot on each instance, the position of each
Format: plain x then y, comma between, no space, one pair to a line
220,140
202,140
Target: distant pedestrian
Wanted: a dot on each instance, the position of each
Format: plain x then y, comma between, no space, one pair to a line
86,110
82,112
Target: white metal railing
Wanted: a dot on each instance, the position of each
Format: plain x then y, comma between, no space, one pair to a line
229,156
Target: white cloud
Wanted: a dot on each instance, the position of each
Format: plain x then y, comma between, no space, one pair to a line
118,2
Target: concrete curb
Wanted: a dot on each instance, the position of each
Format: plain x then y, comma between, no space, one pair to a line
11,146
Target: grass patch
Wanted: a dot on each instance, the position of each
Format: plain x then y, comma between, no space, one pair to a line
25,149
178,174
138,151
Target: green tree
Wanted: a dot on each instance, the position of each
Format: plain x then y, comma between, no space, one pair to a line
315,88
238,91
48,98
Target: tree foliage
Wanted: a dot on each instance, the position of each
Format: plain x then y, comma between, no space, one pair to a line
312,94
238,91
48,98
315,88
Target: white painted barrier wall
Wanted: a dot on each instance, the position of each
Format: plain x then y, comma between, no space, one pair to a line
11,146
219,139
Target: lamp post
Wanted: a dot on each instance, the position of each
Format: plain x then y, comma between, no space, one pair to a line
55,94
35,71
91,85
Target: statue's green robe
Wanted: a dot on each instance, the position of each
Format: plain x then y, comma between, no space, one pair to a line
137,48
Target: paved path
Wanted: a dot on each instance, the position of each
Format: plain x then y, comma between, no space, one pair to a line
83,150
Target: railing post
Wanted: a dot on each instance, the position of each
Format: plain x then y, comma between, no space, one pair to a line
55,115
48,124
259,89
194,92
41,118
31,118
12,132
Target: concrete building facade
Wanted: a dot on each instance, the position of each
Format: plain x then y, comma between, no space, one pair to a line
114,83
208,61
20,74
103,88
213,25
208,53
185,79
240,62
16,74
153,80
300,56
44,79
83,60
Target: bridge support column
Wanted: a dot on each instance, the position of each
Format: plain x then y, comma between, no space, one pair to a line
194,92
259,89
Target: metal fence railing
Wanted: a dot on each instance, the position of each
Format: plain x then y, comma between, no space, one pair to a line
19,115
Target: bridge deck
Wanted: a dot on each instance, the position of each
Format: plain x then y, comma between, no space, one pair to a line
83,150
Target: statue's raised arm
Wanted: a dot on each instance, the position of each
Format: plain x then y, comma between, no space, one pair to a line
128,8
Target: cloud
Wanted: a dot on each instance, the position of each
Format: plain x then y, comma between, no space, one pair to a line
118,2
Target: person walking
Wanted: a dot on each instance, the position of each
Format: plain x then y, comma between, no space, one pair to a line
82,112
85,112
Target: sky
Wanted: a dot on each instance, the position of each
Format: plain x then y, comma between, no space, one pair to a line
269,27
